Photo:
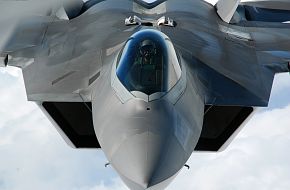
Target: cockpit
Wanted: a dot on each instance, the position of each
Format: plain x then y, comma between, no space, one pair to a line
148,63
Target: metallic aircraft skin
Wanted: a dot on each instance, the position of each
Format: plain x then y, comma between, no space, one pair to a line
147,138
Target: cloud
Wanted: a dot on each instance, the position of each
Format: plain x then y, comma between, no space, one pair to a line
116,185
256,159
212,1
280,96
33,155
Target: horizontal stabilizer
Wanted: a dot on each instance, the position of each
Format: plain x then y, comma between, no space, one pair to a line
266,15
268,4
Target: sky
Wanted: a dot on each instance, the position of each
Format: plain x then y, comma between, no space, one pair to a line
34,156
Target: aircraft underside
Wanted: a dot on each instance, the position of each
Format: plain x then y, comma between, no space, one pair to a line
150,83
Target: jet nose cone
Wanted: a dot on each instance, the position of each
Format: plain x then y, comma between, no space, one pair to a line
145,150
147,143
138,158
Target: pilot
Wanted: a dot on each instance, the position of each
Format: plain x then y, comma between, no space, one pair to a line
147,51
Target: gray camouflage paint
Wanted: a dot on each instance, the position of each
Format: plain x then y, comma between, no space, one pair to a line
146,142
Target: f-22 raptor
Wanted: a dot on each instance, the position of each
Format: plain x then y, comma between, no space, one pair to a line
148,83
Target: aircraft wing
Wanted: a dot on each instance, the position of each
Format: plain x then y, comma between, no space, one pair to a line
21,29
268,4
231,65
70,51
226,60
61,53
268,23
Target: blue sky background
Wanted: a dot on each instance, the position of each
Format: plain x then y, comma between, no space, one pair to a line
34,156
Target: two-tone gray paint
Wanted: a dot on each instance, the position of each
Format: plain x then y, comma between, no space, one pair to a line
147,140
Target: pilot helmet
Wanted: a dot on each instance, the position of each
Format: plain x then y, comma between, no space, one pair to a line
147,48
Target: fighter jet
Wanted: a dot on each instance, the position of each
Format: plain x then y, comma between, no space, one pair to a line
147,83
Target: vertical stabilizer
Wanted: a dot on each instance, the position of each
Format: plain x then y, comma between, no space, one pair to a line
73,8
227,8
